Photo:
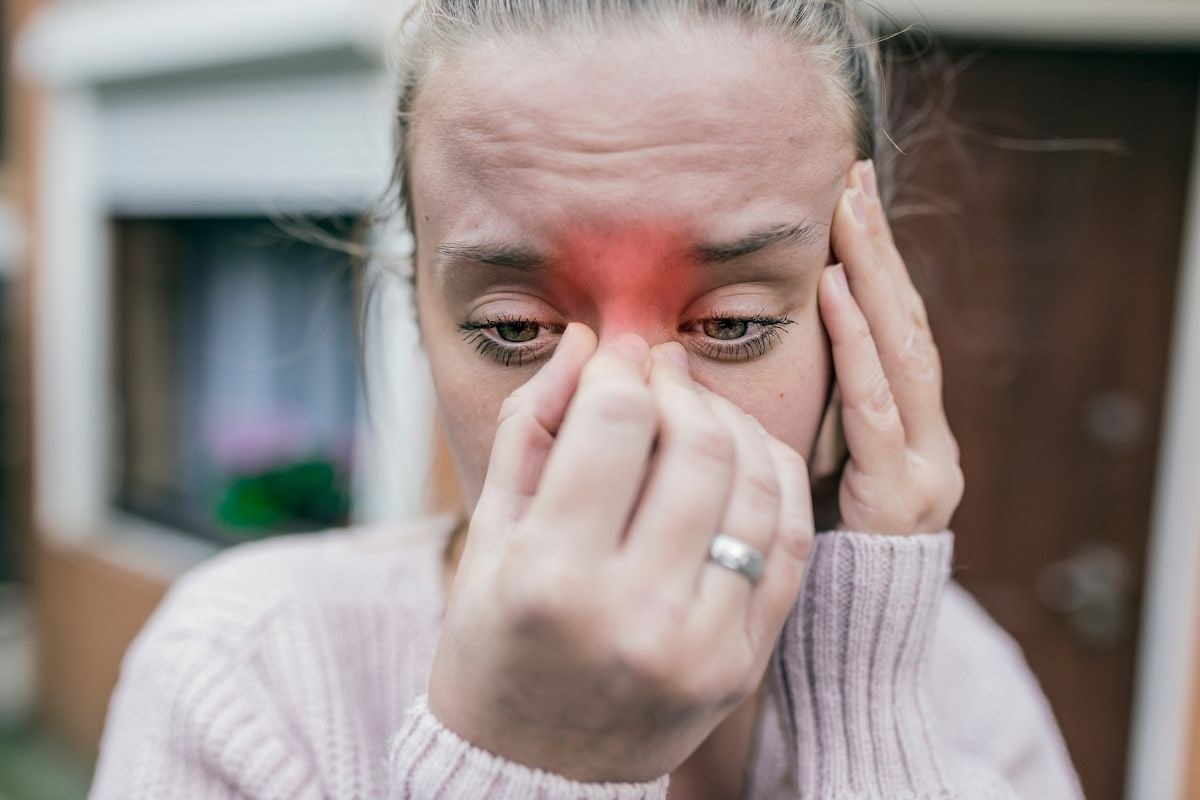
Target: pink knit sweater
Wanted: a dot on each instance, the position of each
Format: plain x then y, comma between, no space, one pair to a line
296,668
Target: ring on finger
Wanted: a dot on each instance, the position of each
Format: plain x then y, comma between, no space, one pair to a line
734,554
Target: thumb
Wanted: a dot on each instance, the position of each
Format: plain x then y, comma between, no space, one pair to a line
528,422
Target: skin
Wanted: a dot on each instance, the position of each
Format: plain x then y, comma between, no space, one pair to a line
516,146
597,464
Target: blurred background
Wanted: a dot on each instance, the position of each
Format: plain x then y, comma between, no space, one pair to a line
179,355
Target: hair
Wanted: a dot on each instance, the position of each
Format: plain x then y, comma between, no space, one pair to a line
832,33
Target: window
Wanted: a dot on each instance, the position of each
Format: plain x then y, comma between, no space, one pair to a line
237,375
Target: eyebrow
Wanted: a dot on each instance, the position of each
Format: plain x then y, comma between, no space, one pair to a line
799,233
526,259
500,255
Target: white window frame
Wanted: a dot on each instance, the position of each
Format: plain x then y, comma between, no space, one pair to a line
78,53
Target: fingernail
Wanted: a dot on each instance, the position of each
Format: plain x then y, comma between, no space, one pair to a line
859,206
573,340
675,352
869,180
839,278
630,346
568,336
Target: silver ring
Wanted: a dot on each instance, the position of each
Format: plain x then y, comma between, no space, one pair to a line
734,554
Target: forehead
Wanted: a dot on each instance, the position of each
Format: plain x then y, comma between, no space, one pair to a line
706,128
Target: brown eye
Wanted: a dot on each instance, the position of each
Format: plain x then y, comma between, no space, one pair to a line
726,328
516,331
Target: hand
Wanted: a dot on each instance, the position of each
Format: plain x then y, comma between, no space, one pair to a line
903,475
587,634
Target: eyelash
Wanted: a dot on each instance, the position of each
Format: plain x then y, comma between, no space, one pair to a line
739,350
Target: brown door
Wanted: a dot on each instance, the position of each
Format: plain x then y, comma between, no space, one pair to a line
1043,219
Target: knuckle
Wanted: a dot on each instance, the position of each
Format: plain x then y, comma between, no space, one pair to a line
955,450
733,682
763,488
917,353
743,680
918,312
879,402
880,509
792,462
891,433
525,434
940,483
514,405
647,656
920,352
622,404
722,681
536,593
662,614
860,333
925,475
957,482
709,441
797,538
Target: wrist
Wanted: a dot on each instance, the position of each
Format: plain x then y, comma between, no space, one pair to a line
575,754
425,749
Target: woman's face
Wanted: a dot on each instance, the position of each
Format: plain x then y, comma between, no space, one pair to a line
678,186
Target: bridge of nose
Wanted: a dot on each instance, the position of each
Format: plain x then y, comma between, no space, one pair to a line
636,278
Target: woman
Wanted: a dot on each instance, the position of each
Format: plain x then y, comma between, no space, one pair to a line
649,239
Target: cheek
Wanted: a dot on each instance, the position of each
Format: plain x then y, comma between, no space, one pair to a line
467,410
469,395
785,391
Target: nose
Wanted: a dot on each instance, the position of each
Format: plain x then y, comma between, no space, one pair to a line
644,337
652,326
641,344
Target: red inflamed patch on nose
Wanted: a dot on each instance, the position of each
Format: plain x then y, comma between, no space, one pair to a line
633,275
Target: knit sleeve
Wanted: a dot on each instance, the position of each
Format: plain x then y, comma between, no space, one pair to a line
428,760
852,662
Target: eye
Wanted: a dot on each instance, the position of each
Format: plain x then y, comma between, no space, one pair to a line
738,338
521,331
725,328
516,338
506,339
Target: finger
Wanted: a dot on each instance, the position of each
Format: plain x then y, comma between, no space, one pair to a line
595,469
926,425
863,175
872,424
791,548
751,514
880,284
688,484
528,421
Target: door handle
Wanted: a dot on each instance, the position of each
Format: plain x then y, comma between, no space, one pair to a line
1090,590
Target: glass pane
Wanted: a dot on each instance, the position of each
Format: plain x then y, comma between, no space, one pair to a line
238,377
